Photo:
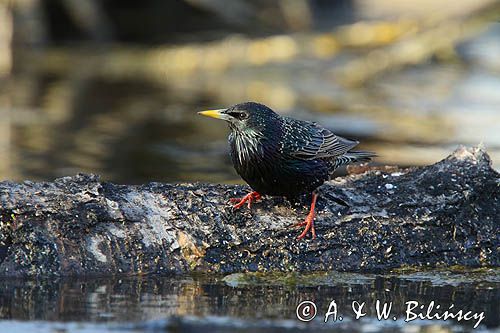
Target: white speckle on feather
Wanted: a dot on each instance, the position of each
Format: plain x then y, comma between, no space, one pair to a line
247,144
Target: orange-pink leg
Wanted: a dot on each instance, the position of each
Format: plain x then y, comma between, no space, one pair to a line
249,198
309,221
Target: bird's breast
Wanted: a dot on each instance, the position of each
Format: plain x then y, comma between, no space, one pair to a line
246,147
264,166
253,157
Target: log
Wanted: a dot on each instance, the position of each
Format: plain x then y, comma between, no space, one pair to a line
434,216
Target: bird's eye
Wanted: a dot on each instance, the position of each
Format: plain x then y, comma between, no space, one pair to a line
239,115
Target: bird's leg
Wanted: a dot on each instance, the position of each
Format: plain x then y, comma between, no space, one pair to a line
309,221
250,197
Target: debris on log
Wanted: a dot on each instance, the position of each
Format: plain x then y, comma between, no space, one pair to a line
435,216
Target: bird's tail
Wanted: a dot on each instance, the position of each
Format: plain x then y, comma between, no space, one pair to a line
359,156
353,157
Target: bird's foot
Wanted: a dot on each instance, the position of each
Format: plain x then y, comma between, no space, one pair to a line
309,221
249,198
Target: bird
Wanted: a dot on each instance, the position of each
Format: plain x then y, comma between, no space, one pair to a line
282,156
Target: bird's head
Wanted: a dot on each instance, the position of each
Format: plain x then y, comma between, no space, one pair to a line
245,117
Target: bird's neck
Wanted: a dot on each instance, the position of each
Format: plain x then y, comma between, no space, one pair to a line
246,145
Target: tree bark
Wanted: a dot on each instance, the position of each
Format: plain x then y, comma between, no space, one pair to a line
439,215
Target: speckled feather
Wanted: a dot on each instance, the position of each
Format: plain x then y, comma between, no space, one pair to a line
283,156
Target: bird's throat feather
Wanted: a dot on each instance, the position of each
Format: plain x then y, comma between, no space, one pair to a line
247,145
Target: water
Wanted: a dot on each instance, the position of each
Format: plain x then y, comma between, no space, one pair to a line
239,303
128,113
134,125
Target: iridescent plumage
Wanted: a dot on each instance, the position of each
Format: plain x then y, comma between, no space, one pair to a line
282,156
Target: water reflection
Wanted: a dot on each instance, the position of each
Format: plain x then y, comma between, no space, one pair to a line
409,89
411,80
142,299
134,132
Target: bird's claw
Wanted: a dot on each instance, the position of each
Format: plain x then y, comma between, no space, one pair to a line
309,223
249,198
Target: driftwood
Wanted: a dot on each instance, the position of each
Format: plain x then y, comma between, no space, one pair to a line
440,215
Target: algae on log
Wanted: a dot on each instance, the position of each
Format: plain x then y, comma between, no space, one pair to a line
440,215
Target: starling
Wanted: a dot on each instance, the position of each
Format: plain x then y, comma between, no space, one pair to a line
282,156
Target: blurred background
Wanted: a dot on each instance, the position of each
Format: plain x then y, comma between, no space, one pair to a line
112,87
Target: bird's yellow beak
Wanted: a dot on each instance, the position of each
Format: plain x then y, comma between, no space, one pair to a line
213,113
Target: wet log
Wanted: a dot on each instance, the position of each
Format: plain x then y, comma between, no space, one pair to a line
439,215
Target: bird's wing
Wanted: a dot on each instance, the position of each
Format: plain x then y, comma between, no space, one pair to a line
312,141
